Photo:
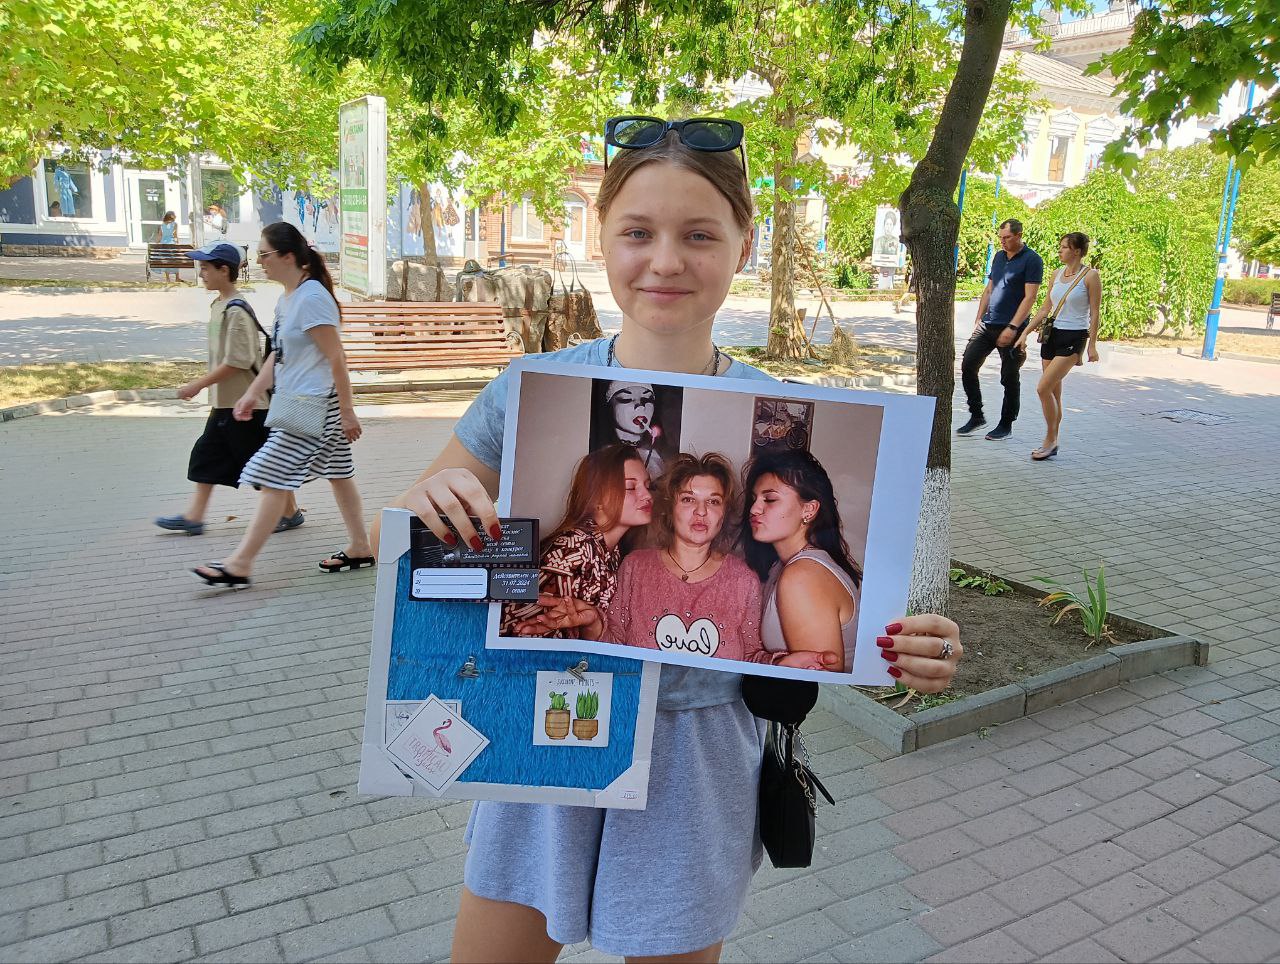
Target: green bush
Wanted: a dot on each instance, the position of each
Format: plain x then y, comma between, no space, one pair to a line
981,206
851,277
1250,291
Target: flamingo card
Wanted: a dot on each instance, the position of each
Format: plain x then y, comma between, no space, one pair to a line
436,745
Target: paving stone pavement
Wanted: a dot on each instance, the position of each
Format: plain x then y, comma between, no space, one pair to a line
179,765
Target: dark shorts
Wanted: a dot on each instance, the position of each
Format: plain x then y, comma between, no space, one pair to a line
220,454
1061,343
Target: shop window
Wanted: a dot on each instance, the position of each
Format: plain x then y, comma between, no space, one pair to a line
68,189
1058,159
221,189
525,225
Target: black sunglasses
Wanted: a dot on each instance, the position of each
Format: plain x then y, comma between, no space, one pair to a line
711,134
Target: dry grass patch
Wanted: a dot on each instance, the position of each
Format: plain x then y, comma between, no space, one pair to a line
20,384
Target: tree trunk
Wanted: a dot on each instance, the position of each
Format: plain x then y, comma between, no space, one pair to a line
429,254
931,221
786,333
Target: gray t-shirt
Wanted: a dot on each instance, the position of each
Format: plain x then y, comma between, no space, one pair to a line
301,366
480,431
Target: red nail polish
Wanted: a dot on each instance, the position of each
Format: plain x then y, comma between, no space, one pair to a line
893,629
495,532
890,655
450,539
476,544
884,642
895,672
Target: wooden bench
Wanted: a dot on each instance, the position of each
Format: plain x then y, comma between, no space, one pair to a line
1274,311
401,335
167,257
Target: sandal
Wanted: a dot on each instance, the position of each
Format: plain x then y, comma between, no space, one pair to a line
1043,455
346,563
223,579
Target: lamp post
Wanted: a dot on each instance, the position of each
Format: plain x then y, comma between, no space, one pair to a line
964,177
1230,193
994,217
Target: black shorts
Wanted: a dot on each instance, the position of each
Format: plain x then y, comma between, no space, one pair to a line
220,454
1062,343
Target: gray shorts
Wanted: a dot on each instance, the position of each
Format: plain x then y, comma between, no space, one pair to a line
669,879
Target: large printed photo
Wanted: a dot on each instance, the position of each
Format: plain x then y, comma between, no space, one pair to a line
738,525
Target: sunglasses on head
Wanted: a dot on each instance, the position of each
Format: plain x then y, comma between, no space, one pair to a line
711,134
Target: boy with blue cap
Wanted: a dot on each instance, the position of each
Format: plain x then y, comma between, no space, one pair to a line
237,347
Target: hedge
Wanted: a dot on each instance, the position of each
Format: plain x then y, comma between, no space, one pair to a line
1250,291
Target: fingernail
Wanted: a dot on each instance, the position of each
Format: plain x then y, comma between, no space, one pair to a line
893,629
476,544
895,672
450,539
885,642
495,532
890,655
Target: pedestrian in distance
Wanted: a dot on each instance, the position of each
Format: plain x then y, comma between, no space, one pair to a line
237,346
1069,319
308,370
1012,286
676,225
167,233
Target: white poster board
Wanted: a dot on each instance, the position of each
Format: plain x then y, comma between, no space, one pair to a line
886,246
362,185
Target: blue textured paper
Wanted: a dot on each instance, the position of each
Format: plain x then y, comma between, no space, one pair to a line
429,643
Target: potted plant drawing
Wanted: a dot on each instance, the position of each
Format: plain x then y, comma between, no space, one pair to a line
586,726
557,722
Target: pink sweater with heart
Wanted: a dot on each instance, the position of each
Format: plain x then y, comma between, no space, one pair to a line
717,617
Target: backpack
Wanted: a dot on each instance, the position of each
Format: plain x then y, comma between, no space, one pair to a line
243,305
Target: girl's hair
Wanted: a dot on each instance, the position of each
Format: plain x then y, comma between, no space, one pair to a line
683,469
284,238
1077,242
722,168
170,216
599,485
802,472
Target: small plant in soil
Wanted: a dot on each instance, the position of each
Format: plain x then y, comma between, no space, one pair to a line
988,585
904,695
1092,610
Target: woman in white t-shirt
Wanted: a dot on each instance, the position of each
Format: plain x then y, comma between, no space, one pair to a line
307,360
1075,296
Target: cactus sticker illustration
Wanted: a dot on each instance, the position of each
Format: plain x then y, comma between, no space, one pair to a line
586,707
557,721
575,702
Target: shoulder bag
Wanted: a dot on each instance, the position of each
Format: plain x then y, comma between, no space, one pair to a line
788,806
293,412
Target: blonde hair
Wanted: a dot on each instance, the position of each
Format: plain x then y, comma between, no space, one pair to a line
722,168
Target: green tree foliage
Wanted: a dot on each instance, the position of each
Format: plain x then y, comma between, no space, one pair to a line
1257,226
1152,239
1183,57
976,231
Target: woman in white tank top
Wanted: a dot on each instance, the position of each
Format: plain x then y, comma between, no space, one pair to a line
1075,296
792,538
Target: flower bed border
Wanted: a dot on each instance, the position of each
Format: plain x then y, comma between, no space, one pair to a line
1116,665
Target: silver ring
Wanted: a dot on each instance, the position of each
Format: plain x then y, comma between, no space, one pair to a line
947,650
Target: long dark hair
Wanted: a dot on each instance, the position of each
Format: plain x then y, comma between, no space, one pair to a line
284,238
802,472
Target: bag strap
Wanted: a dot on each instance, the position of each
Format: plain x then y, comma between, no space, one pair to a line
247,309
1084,270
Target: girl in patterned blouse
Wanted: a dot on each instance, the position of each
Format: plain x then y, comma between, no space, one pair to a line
610,497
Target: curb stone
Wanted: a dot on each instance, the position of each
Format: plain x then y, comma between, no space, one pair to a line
89,400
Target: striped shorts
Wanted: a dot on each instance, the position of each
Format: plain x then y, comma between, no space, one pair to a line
287,461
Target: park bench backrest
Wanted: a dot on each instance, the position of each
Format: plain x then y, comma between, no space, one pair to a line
400,335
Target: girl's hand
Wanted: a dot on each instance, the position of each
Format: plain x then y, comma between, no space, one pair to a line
351,429
458,495
560,613
1093,352
188,391
809,659
1022,341
914,647
243,409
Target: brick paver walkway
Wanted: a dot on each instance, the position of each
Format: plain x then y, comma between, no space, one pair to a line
178,766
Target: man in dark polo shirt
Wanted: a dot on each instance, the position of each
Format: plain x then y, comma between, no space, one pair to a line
1007,300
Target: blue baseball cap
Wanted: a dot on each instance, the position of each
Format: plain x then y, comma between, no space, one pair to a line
217,251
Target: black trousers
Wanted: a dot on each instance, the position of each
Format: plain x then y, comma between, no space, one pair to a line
981,345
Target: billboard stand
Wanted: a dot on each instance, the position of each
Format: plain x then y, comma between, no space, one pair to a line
362,193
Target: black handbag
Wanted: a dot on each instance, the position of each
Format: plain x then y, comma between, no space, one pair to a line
788,805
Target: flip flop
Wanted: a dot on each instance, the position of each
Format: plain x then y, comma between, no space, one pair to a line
1041,455
347,563
224,579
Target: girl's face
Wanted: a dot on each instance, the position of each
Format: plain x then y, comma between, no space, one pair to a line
633,408
698,514
637,502
777,511
1065,252
671,248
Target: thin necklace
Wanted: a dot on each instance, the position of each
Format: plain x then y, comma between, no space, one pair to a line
686,573
712,369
